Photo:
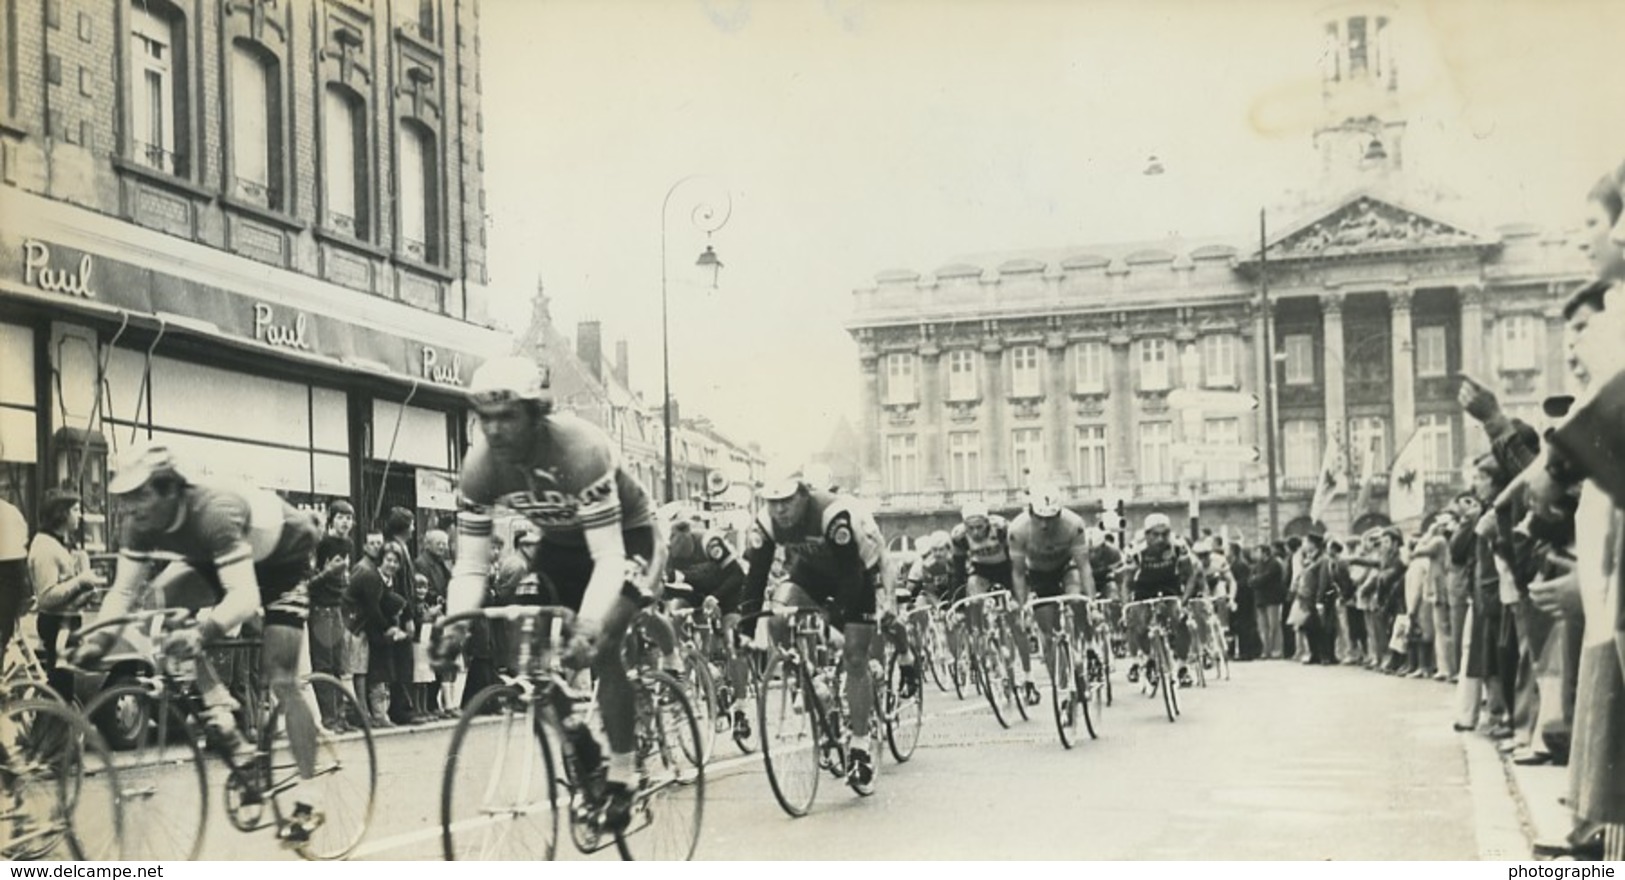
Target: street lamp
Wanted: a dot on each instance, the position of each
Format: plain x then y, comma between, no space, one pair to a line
1272,407
707,217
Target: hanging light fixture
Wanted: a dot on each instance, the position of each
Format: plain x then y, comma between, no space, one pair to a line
709,260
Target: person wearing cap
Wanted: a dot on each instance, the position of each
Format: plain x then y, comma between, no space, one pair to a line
1049,556
600,548
835,557
931,576
981,550
240,551
1162,568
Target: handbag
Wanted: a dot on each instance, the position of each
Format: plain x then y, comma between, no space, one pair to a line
1298,616
1402,633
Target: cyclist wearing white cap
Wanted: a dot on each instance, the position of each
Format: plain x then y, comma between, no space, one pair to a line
1049,556
1160,568
599,547
932,574
240,550
835,556
981,547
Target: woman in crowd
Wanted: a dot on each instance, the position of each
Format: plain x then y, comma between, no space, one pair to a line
63,578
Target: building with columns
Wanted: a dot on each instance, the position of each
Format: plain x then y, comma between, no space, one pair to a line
995,371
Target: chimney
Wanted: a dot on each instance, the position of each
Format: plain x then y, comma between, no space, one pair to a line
620,363
590,347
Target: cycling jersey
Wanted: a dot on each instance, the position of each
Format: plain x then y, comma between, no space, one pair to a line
833,553
221,525
930,576
1163,572
1051,545
573,483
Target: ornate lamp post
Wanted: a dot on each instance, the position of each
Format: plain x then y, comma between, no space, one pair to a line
708,216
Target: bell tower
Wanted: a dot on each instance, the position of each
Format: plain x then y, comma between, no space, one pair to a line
1361,135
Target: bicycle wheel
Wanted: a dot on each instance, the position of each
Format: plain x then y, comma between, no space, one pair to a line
936,656
994,679
1221,653
701,689
163,783
498,793
959,664
787,723
669,807
743,723
1169,680
903,717
1096,683
60,798
341,792
1063,689
1008,651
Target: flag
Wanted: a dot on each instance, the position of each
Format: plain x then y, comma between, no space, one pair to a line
1407,481
1368,474
1334,475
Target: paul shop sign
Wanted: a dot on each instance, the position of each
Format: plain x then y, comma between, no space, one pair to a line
281,333
40,272
450,373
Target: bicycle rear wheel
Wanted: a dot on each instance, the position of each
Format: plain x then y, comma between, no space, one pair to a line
742,725
341,792
668,809
60,798
498,793
959,663
788,726
1009,651
903,717
1169,680
701,689
1064,698
994,679
163,785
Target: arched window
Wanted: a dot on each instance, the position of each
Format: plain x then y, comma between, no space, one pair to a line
344,162
157,89
419,184
256,125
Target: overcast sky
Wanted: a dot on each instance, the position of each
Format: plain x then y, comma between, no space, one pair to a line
855,137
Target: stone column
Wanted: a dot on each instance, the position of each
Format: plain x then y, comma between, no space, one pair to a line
1123,433
1399,305
993,405
1060,399
931,417
869,369
1473,336
1333,365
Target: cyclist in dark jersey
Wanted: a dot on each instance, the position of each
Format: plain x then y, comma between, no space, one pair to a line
1049,556
1160,569
932,575
981,548
834,555
240,550
599,546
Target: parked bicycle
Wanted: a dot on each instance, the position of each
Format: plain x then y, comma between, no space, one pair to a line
163,784
503,788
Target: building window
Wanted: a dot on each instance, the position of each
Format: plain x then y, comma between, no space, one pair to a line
1357,47
899,379
902,463
157,89
1156,452
1300,446
1300,358
1432,358
1154,364
1091,364
1225,433
1219,360
964,460
1026,454
1024,372
344,161
1369,433
1092,455
962,374
256,125
419,184
1518,342
1437,434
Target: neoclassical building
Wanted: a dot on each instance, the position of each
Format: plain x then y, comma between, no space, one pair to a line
1072,366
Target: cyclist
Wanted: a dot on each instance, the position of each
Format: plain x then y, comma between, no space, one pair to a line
599,547
240,551
1216,581
981,550
1105,561
1049,556
932,574
1160,568
835,557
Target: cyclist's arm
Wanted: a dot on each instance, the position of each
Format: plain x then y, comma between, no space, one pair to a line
1018,567
129,584
1080,558
759,562
466,590
242,593
959,570
600,514
1191,575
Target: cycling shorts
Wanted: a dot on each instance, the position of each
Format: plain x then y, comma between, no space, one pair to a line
282,589
568,568
1045,584
997,574
848,600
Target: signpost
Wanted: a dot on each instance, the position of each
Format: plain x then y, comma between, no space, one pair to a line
1203,453
1212,401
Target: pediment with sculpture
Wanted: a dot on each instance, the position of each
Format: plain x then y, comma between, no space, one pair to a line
1367,225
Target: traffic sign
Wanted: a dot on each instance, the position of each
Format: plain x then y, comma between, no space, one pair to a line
1212,401
1242,454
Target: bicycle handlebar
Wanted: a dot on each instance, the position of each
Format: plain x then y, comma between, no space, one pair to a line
985,597
172,617
1059,600
509,613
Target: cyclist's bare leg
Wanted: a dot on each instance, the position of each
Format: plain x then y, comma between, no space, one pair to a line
860,695
1047,617
614,689
180,586
280,660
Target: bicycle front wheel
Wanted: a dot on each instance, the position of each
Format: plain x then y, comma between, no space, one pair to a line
339,796
995,680
1064,698
1010,652
163,785
787,724
903,716
669,806
60,798
1170,681
498,794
